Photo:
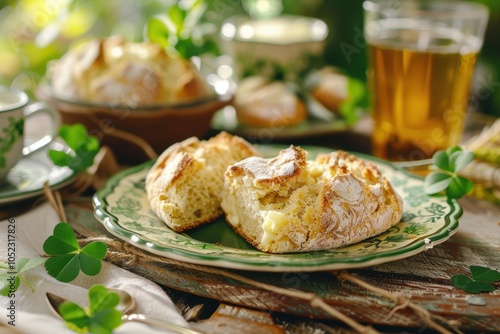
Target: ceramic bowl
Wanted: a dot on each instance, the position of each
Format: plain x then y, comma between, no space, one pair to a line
290,44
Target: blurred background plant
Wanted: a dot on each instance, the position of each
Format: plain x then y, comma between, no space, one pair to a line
33,32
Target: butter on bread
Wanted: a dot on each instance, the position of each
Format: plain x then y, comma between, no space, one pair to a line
184,185
290,204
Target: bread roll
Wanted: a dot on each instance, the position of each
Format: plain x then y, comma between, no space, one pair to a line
289,204
330,89
184,185
271,104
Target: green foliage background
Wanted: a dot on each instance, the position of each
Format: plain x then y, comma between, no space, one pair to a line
24,55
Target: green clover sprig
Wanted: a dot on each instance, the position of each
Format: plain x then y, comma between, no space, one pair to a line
101,316
445,177
67,259
83,147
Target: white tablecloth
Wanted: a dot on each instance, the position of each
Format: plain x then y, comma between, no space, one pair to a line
32,315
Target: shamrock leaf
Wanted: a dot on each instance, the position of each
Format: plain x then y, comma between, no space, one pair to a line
84,148
446,165
484,274
10,281
436,182
91,256
459,159
460,281
105,321
480,281
75,315
62,241
100,317
476,287
67,259
25,264
64,268
101,299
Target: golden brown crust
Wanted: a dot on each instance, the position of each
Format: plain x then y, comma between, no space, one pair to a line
291,163
169,154
113,71
185,183
332,201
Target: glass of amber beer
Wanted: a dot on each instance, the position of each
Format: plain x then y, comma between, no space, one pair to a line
421,58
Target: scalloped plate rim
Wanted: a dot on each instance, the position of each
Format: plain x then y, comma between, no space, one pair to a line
180,253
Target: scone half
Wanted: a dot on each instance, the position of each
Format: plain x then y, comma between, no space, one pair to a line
184,185
290,204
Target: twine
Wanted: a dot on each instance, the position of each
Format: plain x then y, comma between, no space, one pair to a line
55,201
402,302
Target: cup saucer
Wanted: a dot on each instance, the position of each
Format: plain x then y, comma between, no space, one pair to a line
27,178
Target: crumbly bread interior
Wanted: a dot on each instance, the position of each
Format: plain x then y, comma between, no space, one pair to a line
184,186
289,204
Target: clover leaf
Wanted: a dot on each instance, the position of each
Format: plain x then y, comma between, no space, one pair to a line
83,147
10,280
484,274
480,281
444,177
67,259
101,316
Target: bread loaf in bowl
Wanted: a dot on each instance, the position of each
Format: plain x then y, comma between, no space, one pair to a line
185,183
112,71
290,204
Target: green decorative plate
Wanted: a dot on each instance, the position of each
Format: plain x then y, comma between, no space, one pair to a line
122,206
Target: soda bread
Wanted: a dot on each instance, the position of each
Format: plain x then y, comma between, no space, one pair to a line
184,185
117,72
289,204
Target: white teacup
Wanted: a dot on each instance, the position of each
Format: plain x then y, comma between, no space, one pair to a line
14,110
289,44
